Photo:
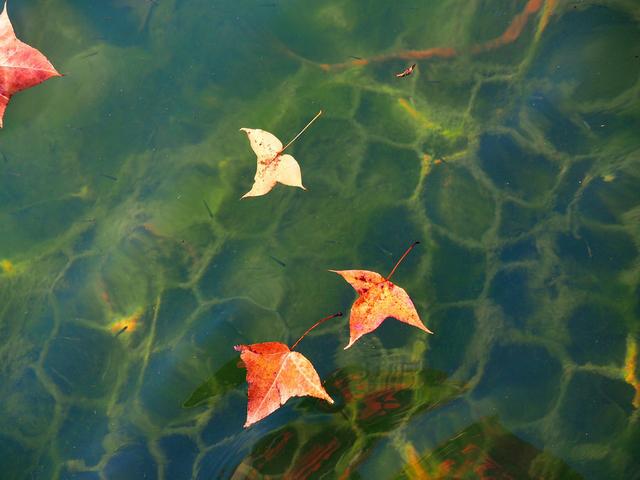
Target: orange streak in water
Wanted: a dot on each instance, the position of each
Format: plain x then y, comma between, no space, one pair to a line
631,369
7,266
271,452
416,115
445,467
152,229
513,31
312,461
105,296
414,468
408,108
360,62
346,474
131,322
439,52
546,14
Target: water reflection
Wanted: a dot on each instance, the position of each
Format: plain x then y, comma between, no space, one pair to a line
511,152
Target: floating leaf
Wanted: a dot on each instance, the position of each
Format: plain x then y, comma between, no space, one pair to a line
378,300
273,167
21,66
275,374
406,72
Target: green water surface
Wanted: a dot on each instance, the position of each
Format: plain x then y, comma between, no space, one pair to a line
517,166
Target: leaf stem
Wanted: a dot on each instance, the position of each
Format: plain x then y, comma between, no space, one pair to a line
301,132
339,314
402,258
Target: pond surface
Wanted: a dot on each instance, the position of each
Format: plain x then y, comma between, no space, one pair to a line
512,153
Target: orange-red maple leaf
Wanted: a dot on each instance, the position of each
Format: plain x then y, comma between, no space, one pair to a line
378,300
275,374
21,66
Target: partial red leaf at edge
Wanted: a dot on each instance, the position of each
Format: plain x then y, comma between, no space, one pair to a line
378,299
21,66
275,374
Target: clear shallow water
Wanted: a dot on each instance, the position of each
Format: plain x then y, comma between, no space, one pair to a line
512,153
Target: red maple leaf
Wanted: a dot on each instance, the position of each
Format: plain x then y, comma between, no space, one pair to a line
275,373
378,300
21,66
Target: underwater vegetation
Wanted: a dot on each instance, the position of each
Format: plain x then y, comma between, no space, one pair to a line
129,266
